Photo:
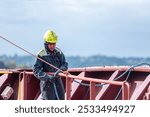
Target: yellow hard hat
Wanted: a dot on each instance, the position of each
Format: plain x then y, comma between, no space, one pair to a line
50,37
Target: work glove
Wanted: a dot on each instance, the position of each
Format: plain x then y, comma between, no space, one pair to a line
51,79
66,72
57,72
63,68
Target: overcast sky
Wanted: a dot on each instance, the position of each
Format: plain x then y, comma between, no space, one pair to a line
84,27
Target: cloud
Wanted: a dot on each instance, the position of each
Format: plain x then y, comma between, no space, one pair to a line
99,23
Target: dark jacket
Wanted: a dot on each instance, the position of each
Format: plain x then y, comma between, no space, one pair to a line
56,58
40,68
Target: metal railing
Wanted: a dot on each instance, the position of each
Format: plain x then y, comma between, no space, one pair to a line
93,81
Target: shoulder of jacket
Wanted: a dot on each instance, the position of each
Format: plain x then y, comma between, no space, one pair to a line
58,50
42,52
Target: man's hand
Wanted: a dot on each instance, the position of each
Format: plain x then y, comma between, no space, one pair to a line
57,72
52,79
66,72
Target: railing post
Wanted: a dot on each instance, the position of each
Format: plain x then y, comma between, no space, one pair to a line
68,88
92,90
25,85
125,91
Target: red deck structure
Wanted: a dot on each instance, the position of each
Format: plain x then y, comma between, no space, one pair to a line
90,83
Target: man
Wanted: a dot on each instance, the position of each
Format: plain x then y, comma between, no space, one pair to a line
51,86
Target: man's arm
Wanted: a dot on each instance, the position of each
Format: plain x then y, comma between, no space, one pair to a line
38,70
64,64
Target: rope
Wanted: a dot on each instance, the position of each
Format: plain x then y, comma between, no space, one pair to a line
121,88
84,84
30,53
56,92
129,70
54,85
117,78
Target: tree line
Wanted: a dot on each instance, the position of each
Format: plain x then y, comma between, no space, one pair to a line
15,61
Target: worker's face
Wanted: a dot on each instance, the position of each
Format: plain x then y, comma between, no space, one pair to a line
51,46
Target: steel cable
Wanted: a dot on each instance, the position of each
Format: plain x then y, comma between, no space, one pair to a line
117,78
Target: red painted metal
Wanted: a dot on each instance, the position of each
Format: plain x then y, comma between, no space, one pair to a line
76,86
9,79
68,88
105,90
92,90
3,78
139,93
125,91
137,86
29,86
147,94
123,84
91,79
